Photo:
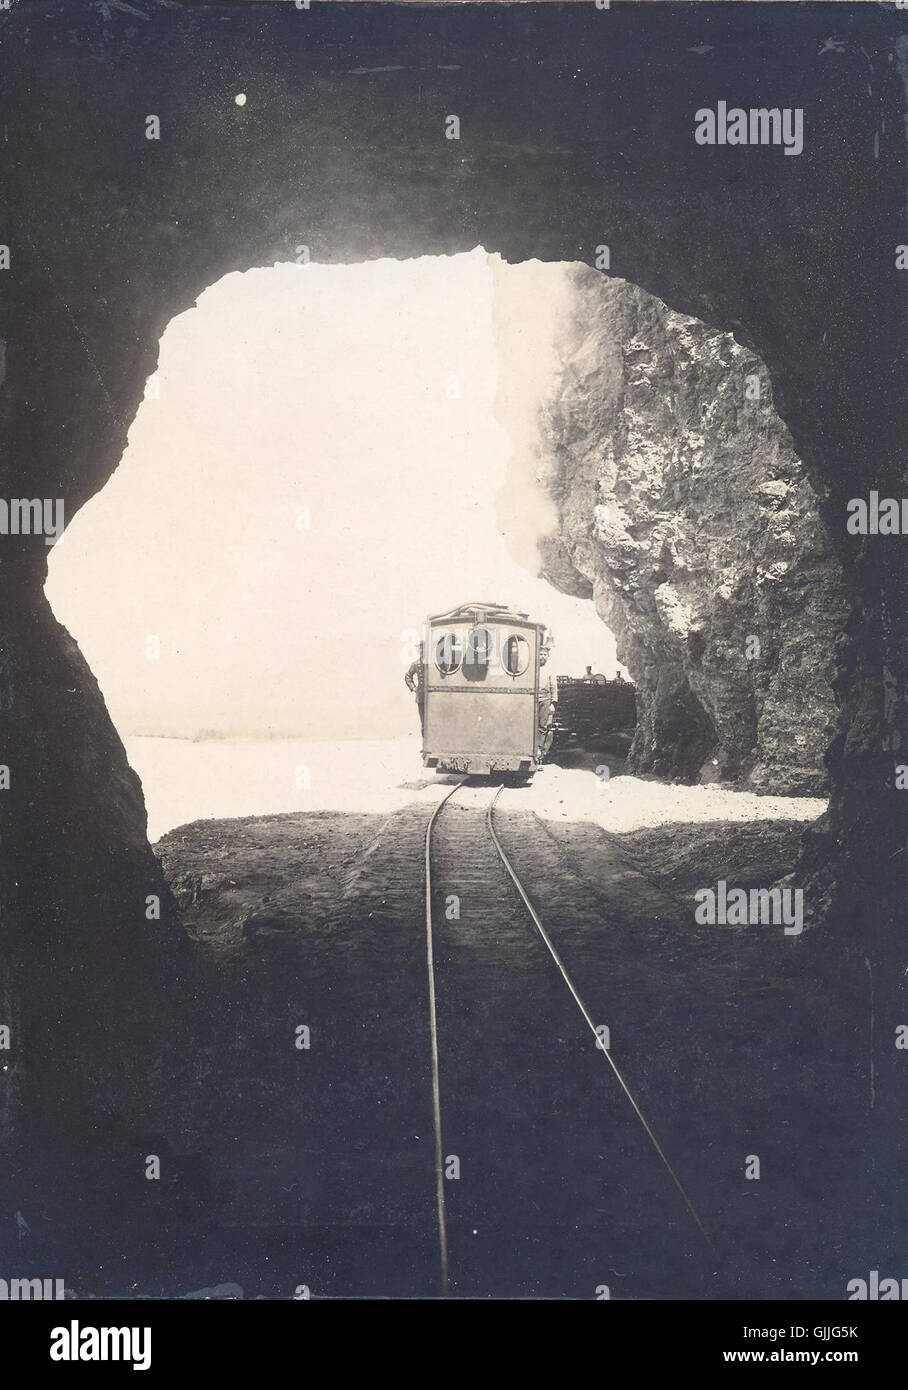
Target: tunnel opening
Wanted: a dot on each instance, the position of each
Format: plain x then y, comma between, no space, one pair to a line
563,496
324,455
533,430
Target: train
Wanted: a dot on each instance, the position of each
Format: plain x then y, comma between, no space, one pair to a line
594,715
483,693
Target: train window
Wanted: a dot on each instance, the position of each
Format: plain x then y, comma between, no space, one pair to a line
448,653
516,655
479,647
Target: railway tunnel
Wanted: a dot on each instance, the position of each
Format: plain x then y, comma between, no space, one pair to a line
150,224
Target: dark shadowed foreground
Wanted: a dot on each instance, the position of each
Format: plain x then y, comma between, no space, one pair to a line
286,1165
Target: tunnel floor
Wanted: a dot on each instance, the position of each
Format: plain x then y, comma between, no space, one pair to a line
286,1165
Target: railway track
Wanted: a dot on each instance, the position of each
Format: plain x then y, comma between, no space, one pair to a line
480,917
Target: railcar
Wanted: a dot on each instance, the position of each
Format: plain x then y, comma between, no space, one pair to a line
481,679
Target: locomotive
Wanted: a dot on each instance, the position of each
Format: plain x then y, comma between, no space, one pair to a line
481,691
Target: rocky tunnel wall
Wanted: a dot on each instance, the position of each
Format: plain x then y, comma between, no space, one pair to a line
576,132
688,518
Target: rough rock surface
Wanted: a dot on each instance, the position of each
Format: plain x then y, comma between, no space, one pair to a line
686,513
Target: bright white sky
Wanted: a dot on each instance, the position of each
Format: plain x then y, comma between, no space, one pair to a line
362,398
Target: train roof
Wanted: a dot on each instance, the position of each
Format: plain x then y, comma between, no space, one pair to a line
484,612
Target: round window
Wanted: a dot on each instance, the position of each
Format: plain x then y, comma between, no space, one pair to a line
448,653
516,655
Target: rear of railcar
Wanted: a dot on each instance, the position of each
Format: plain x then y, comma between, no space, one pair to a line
482,691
